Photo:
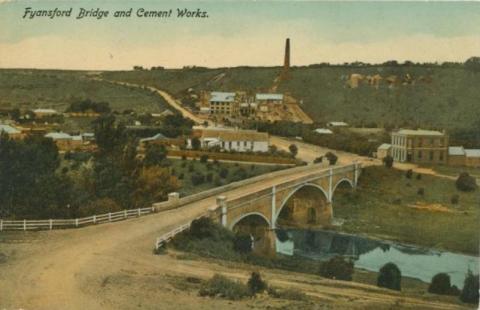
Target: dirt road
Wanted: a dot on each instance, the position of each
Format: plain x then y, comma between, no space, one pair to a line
111,266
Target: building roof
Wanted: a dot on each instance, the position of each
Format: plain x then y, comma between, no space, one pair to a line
9,129
384,146
217,96
235,135
323,131
456,150
472,152
269,97
158,136
88,134
58,136
420,132
46,111
337,124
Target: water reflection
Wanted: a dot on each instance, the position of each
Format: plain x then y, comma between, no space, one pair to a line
369,254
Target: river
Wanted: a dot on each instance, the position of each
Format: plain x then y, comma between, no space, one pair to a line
371,254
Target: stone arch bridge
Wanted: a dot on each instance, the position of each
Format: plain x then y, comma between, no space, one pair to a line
267,203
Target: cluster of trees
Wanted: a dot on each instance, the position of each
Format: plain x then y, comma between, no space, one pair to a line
35,183
88,105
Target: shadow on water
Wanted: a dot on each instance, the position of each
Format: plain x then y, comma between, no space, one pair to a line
370,254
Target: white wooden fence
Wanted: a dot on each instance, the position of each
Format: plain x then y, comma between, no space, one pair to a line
72,223
163,239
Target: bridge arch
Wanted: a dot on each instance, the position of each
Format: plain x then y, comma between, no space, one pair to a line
243,216
285,200
342,180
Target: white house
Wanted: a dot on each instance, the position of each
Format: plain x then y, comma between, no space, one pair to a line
233,139
323,131
337,124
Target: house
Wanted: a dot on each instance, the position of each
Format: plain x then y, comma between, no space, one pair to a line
323,131
420,146
472,158
384,150
161,140
269,99
223,103
40,113
64,141
456,156
337,124
12,132
232,139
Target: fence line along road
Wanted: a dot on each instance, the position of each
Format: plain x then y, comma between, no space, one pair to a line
72,223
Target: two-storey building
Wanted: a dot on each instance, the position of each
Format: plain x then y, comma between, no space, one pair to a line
420,146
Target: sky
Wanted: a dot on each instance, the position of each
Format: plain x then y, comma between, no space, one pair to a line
237,33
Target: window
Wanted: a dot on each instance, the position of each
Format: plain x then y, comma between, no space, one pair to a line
441,156
244,143
238,143
431,155
419,142
230,144
419,154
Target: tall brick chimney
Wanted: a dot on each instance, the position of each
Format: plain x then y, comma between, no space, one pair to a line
286,62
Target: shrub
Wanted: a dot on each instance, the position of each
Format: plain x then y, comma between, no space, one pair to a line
99,206
421,191
203,227
256,284
440,284
216,181
191,168
183,165
181,176
197,178
469,292
455,199
209,177
208,165
466,183
337,268
184,157
242,243
419,176
225,288
388,161
332,158
318,160
195,143
293,150
223,173
216,162
239,174
288,294
204,158
390,277
409,173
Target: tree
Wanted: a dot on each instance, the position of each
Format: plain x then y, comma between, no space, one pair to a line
388,161
293,150
390,277
473,64
469,292
204,158
409,173
337,268
440,284
196,143
466,183
332,158
154,155
256,284
110,137
153,185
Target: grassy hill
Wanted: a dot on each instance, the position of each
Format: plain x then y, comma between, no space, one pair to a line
57,89
445,99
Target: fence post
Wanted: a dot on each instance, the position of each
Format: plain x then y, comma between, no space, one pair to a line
125,213
94,219
153,209
76,222
138,211
109,216
51,224
1,225
24,225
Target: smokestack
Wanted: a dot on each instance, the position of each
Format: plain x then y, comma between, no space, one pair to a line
286,63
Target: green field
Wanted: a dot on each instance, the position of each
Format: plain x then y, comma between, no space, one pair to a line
441,97
382,204
28,89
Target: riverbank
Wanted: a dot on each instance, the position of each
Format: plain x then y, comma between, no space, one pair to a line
418,210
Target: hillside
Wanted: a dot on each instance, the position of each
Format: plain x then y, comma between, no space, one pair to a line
441,97
57,89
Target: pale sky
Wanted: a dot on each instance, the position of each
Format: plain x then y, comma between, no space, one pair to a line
237,33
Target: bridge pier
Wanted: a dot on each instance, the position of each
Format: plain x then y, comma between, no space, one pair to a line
274,208
222,205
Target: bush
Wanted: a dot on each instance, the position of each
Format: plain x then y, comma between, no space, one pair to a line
390,277
239,174
181,176
184,157
223,173
388,161
293,150
409,173
203,227
469,292
455,199
242,243
204,158
421,191
256,284
337,268
209,177
288,294
440,284
197,178
225,288
466,183
216,181
332,158
318,160
99,206
419,176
